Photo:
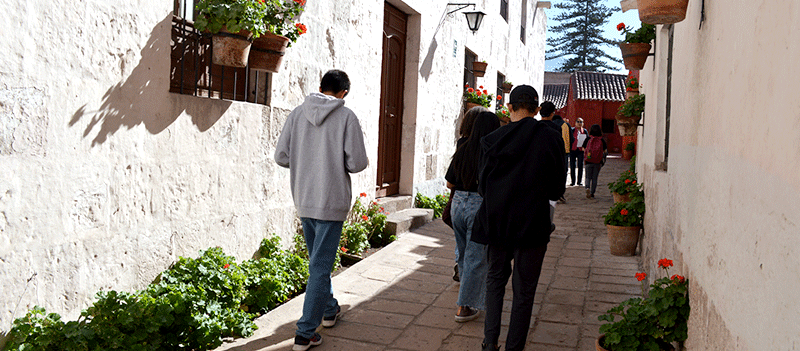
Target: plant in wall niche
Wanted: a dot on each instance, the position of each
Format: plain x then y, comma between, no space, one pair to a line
645,34
478,96
630,146
650,322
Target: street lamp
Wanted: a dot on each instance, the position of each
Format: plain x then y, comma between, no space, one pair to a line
474,19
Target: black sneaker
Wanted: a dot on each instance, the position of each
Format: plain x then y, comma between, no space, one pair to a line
330,322
470,314
489,347
456,276
302,344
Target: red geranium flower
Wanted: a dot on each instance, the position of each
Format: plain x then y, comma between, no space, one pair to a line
364,217
301,2
680,279
480,87
363,195
634,182
344,249
226,266
301,27
485,92
664,263
621,26
627,181
478,93
641,276
624,212
499,97
466,85
470,90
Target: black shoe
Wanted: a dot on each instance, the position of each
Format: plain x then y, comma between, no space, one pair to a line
489,347
330,322
552,227
469,314
302,344
456,276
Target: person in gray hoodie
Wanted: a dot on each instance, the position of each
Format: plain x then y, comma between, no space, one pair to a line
321,144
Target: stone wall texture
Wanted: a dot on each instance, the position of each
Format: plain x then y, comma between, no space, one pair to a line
107,177
724,204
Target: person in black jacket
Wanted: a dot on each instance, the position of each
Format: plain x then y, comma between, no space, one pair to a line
522,169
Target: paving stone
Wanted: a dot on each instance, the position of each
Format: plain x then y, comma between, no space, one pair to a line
462,342
365,332
558,334
575,272
566,314
382,273
394,306
394,293
569,283
421,338
379,318
565,297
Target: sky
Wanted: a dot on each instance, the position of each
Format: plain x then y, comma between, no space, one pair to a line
630,18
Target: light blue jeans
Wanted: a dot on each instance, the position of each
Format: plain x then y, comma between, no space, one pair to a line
472,256
322,239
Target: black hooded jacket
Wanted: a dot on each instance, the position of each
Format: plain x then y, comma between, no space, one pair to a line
522,168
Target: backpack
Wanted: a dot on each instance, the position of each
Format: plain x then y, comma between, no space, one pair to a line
594,150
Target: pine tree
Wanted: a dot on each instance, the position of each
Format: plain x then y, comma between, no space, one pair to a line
579,36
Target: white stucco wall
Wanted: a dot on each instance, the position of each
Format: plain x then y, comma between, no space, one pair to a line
107,177
725,208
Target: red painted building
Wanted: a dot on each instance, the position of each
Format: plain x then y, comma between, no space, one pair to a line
593,96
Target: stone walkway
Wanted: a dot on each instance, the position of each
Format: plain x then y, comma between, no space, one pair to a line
403,297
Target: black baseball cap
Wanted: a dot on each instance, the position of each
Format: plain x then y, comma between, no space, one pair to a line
524,93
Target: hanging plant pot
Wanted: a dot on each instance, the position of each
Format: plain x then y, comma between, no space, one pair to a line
622,241
267,52
231,49
662,11
634,55
507,87
627,124
479,68
629,93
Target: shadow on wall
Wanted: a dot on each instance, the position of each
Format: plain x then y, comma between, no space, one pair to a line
143,99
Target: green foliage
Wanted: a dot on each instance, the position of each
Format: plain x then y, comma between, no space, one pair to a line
502,113
279,17
437,203
364,228
632,84
478,96
236,15
633,106
651,322
645,34
627,214
630,146
579,36
626,183
192,306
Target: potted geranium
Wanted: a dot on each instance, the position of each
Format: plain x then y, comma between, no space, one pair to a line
364,228
477,97
627,152
651,322
281,31
631,86
623,223
507,86
233,24
503,115
636,45
623,186
629,115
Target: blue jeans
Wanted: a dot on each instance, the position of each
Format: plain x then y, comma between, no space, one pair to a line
592,173
472,256
322,239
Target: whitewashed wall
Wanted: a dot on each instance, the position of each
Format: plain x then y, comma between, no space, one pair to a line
107,177
726,207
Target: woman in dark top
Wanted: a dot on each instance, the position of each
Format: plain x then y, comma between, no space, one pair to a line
462,176
594,162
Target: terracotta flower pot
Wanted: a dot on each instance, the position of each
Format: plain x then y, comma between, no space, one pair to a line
479,68
662,11
634,55
622,241
267,52
627,154
507,87
627,125
631,93
470,105
621,198
231,49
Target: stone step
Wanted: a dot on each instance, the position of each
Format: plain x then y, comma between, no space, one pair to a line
406,220
396,203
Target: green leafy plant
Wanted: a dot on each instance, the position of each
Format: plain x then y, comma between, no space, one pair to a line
653,321
437,203
633,106
627,214
630,146
626,183
645,34
503,114
632,84
364,228
279,18
478,96
235,15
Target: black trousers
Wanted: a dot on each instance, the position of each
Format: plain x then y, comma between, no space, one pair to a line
574,156
524,278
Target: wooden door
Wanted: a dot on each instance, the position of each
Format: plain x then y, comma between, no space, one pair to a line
392,85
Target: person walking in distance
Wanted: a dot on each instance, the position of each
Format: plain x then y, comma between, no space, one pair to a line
595,150
579,135
462,176
522,169
321,143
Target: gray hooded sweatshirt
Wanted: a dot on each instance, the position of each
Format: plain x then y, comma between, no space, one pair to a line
321,144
